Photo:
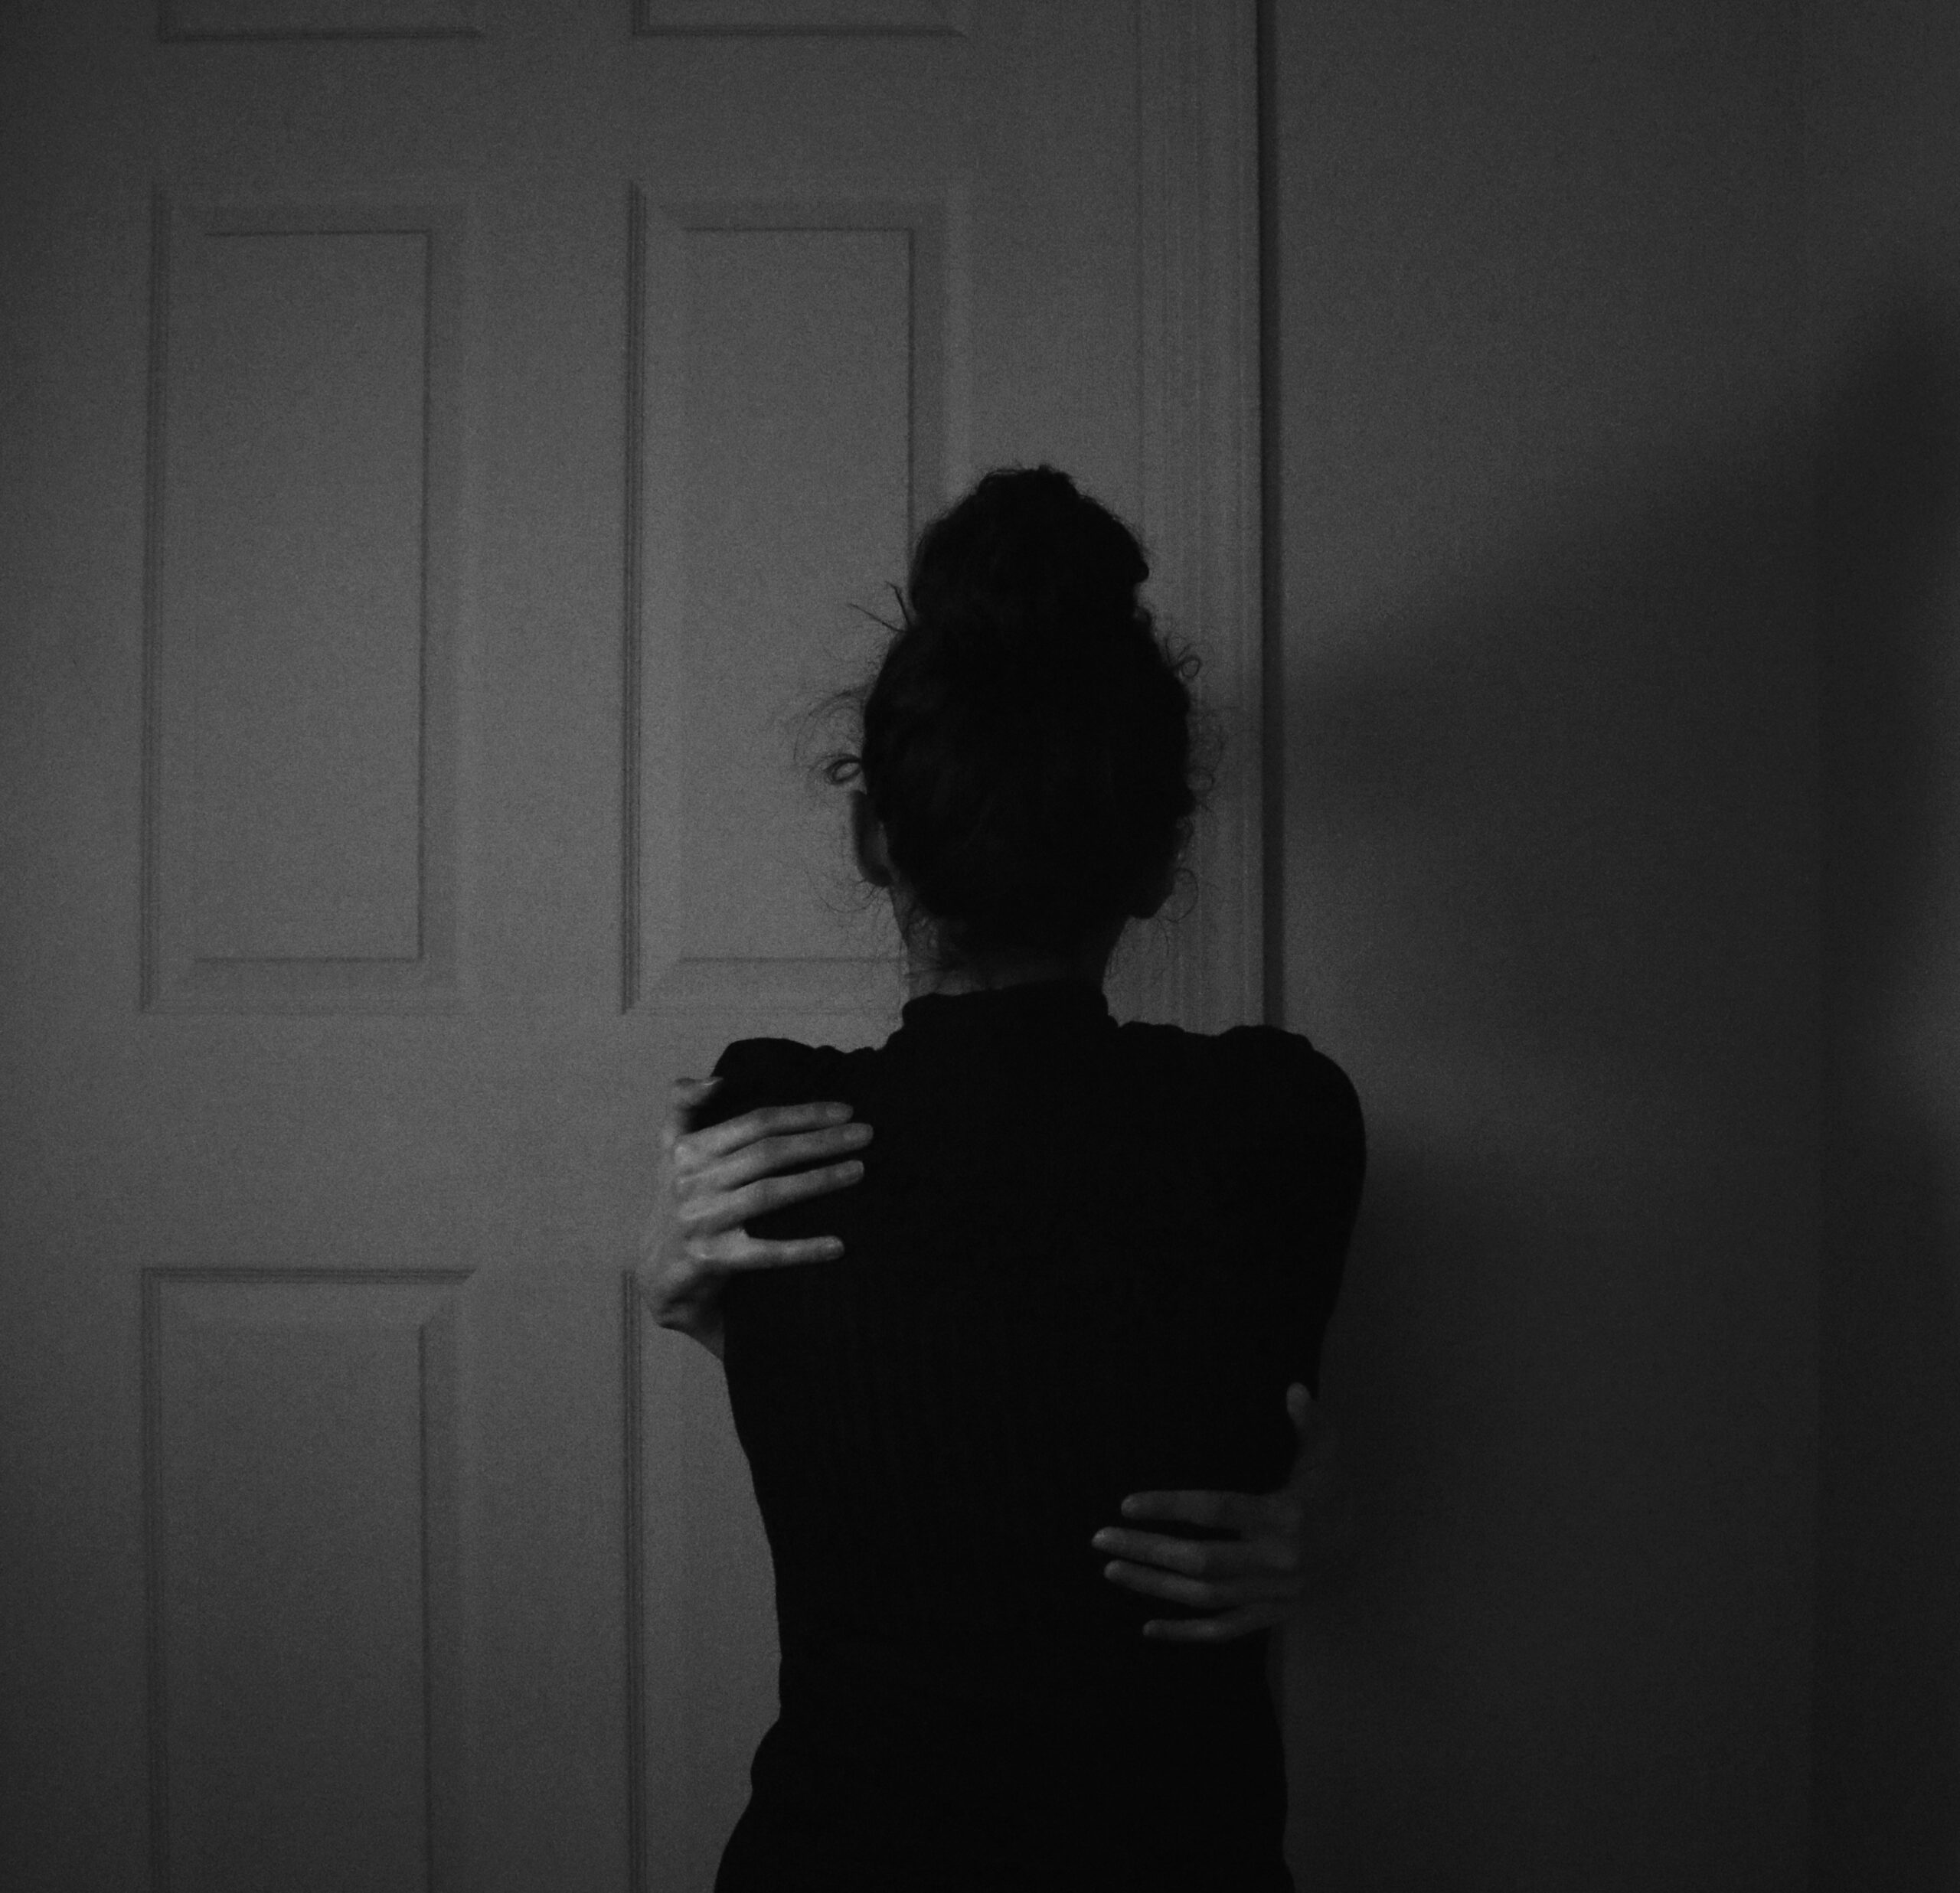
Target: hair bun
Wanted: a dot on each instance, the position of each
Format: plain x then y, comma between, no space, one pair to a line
1039,569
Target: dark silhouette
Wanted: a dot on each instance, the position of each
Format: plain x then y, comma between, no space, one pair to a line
1084,1261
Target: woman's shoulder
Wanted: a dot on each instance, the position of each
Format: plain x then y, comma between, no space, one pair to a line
757,1072
1261,1062
1272,1091
1293,1063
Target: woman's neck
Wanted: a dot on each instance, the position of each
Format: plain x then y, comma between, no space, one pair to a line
1090,961
922,980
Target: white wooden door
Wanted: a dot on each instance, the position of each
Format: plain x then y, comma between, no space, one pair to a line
443,441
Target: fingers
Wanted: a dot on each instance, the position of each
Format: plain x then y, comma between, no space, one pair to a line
1262,1555
770,1156
1200,1594
1217,1629
720,1251
718,1139
1246,1584
751,1254
719,1178
1258,1551
1234,1511
724,1210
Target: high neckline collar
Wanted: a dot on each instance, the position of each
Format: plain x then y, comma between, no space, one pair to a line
1041,1005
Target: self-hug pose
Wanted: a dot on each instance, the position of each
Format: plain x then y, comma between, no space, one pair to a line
1082,1274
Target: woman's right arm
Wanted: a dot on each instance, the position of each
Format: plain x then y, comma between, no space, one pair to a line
1290,1542
713,1181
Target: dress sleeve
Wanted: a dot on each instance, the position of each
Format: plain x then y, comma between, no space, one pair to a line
755,1072
758,1071
1320,1158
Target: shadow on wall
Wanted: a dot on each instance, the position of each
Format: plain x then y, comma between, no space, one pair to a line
1887,1786
1559,823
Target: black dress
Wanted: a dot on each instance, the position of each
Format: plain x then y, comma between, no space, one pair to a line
1085,1260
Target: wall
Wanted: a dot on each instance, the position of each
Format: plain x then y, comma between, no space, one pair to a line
1539,501
1884,192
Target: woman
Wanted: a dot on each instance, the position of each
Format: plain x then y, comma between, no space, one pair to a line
1078,1259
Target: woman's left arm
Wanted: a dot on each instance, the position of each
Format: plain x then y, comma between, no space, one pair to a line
1290,1542
712,1181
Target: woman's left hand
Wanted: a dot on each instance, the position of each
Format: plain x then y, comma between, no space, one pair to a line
1287,1540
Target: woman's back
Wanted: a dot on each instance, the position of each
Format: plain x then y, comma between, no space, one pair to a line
1084,1261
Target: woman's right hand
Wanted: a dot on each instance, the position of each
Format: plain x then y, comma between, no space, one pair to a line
1289,1542
713,1181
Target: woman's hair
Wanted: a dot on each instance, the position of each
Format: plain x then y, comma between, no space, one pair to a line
1027,738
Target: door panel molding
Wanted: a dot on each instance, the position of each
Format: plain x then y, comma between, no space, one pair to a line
284,1408
1198,165
317,19
300,579
818,426
870,18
